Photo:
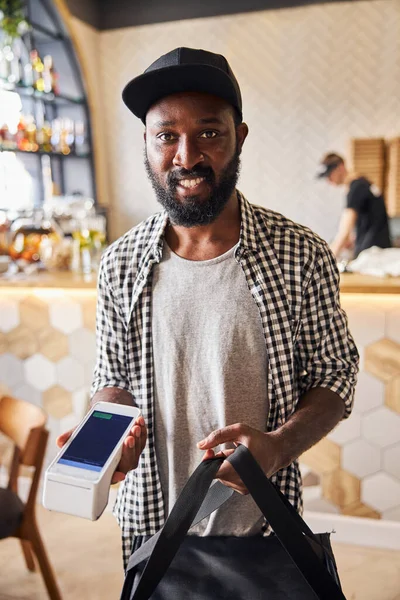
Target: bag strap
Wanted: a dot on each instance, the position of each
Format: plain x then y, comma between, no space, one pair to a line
290,529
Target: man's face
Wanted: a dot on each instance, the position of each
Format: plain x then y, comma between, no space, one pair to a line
192,155
338,175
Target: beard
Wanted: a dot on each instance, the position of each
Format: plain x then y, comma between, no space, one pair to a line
193,211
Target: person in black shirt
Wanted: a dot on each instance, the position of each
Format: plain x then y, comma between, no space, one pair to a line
365,211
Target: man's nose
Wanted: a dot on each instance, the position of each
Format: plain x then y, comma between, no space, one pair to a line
188,154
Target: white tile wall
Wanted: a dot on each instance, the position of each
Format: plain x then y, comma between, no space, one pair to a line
311,78
65,315
381,491
347,430
361,458
9,315
370,393
40,372
381,427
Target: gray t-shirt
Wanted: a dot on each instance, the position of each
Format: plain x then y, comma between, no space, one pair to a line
210,365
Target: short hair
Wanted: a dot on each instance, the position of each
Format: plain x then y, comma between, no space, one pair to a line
331,159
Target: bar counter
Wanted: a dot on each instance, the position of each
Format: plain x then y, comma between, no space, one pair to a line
350,283
47,347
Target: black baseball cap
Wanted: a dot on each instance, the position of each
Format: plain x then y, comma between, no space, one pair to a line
328,164
182,70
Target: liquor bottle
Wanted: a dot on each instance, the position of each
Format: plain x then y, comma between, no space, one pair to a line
9,63
44,137
81,145
56,134
66,136
47,78
50,75
37,71
22,138
31,134
8,138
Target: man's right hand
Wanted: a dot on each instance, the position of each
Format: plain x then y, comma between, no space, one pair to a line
131,450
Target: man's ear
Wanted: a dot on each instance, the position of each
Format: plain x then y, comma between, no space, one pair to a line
242,131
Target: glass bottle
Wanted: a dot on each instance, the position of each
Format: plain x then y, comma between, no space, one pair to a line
37,70
31,134
50,75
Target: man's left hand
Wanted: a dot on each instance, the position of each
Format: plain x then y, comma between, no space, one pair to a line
264,447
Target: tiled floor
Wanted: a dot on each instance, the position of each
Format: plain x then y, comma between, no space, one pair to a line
87,559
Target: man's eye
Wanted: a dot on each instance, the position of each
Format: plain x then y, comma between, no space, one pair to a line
166,137
209,134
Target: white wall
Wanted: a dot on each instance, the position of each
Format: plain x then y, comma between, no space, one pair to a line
311,78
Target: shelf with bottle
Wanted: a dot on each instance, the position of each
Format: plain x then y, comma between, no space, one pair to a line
60,137
30,76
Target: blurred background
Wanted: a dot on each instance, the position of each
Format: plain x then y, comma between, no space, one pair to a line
315,77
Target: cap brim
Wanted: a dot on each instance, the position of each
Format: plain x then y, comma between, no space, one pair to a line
143,91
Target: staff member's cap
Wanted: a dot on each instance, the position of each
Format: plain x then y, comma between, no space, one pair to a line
182,70
329,163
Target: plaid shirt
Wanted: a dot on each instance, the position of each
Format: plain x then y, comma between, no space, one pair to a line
293,279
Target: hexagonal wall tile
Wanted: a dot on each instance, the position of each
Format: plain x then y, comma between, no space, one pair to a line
382,359
392,514
82,344
358,509
80,402
347,430
381,427
89,312
70,374
57,402
340,487
68,422
22,342
323,457
361,458
9,315
392,394
360,315
369,394
53,344
40,372
393,325
89,374
34,313
3,343
11,370
66,315
391,461
28,393
381,491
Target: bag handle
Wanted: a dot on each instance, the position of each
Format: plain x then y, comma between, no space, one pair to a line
288,526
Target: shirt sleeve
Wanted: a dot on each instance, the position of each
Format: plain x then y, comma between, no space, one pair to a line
110,370
327,355
358,195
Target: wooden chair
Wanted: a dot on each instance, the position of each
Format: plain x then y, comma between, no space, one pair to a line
24,424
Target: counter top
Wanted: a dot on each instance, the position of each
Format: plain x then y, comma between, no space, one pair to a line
46,279
350,283
356,283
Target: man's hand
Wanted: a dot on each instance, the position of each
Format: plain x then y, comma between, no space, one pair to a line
131,450
264,447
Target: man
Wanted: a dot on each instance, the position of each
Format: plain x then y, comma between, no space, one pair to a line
219,319
365,211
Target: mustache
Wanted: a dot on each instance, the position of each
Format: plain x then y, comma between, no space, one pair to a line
175,176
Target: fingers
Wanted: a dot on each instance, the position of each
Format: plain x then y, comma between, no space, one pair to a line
133,446
232,433
208,454
64,437
117,477
228,476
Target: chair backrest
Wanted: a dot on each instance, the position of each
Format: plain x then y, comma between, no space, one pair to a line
24,424
17,419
